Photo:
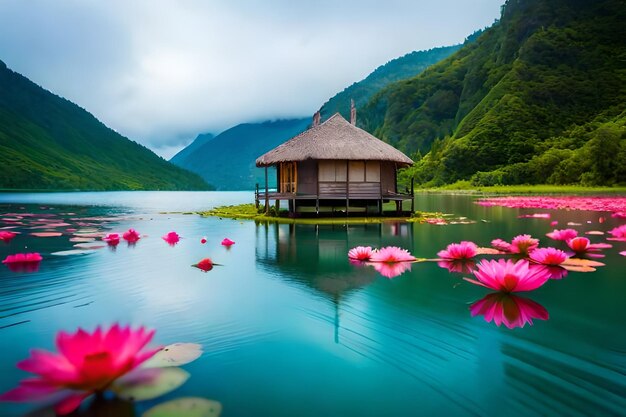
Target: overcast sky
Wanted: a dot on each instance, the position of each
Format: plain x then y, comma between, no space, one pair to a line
160,72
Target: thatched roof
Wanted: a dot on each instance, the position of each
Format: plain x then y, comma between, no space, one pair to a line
334,139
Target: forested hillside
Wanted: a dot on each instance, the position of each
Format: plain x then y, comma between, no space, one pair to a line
539,97
47,142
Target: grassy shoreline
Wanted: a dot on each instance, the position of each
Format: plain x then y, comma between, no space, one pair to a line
250,212
464,187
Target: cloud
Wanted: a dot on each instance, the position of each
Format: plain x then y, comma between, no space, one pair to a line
160,75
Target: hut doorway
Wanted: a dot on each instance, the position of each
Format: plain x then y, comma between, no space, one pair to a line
288,178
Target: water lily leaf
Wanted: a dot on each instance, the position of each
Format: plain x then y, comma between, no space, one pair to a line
82,239
146,384
488,251
46,234
90,245
72,252
581,262
575,268
176,354
186,407
594,232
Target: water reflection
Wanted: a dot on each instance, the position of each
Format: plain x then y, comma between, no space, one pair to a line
317,255
508,309
462,266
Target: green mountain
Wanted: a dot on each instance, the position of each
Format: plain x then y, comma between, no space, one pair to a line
47,142
539,97
228,160
406,66
197,143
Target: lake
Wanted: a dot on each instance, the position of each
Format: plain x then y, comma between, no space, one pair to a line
290,328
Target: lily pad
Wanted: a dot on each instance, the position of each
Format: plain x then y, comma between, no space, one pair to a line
575,268
146,384
186,407
72,252
90,245
82,239
176,354
581,262
46,234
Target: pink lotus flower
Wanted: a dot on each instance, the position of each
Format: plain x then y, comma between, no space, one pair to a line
582,246
463,250
23,262
512,310
564,234
391,254
172,238
112,239
391,270
131,236
205,264
458,265
523,244
6,236
87,363
509,276
227,242
619,233
360,253
623,253
548,256
501,245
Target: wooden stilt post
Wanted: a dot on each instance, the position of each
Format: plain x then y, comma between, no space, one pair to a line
267,194
412,197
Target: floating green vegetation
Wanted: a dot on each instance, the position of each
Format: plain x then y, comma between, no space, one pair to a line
250,212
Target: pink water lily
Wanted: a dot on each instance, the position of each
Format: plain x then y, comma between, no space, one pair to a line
205,264
360,253
615,204
227,242
6,236
463,250
501,245
112,239
582,246
131,236
508,309
23,262
510,276
87,363
523,244
391,254
619,233
172,238
548,256
391,270
564,234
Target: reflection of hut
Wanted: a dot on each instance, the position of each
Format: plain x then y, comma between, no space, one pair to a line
335,164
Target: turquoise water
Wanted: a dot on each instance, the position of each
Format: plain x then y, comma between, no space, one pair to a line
290,328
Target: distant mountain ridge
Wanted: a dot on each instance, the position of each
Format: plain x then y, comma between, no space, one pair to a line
228,160
406,66
50,143
197,143
540,97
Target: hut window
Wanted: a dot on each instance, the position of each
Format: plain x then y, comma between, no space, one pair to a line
372,171
332,171
357,171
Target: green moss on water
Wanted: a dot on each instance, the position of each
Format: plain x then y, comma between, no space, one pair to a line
250,212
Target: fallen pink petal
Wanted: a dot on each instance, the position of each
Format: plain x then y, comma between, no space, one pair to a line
6,236
227,242
501,245
205,264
